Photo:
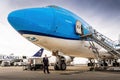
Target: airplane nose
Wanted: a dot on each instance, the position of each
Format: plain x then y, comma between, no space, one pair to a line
41,19
50,21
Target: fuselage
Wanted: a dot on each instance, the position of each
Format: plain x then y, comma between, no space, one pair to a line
68,47
53,28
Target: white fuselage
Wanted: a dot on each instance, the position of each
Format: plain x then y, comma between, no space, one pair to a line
77,48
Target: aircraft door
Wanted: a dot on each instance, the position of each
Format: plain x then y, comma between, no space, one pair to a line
79,29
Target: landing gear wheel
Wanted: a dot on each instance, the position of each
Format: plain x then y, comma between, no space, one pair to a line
63,66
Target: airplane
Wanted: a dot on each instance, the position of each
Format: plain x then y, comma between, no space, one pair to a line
40,53
57,30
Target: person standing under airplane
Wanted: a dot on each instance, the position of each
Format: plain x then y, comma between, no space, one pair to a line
46,64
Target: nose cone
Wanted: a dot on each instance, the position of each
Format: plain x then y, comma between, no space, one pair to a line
38,20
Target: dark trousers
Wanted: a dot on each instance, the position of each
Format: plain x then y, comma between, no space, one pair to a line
45,68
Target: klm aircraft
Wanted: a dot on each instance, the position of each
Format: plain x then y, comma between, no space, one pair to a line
56,29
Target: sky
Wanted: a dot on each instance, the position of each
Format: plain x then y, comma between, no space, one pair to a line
102,15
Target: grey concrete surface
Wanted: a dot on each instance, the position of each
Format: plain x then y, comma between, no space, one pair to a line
72,73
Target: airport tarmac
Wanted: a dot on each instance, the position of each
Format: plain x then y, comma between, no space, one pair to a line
72,73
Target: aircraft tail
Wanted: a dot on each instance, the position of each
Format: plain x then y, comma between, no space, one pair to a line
39,53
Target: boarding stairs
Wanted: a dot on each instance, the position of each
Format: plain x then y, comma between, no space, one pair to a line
105,42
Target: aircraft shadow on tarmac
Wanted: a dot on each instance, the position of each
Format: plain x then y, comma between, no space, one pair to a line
70,73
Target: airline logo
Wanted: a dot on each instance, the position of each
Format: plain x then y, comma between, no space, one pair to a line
39,53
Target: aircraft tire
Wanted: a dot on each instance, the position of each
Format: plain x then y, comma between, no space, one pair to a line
63,66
